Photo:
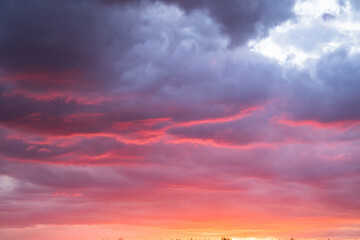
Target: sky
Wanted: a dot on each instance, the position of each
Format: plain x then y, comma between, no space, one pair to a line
168,119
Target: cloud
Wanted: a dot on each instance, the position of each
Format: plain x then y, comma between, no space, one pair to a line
240,21
328,17
50,51
243,20
149,74
62,39
333,95
208,177
158,113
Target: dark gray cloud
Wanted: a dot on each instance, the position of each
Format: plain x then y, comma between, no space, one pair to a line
242,20
333,94
87,41
150,67
40,40
328,17
239,20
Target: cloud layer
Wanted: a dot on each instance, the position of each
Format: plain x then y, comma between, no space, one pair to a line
161,114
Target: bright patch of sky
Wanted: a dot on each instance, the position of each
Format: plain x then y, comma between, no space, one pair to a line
320,26
7,184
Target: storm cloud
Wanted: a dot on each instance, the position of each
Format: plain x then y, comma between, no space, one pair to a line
179,115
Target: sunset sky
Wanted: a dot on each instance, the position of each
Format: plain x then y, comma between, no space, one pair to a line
167,119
